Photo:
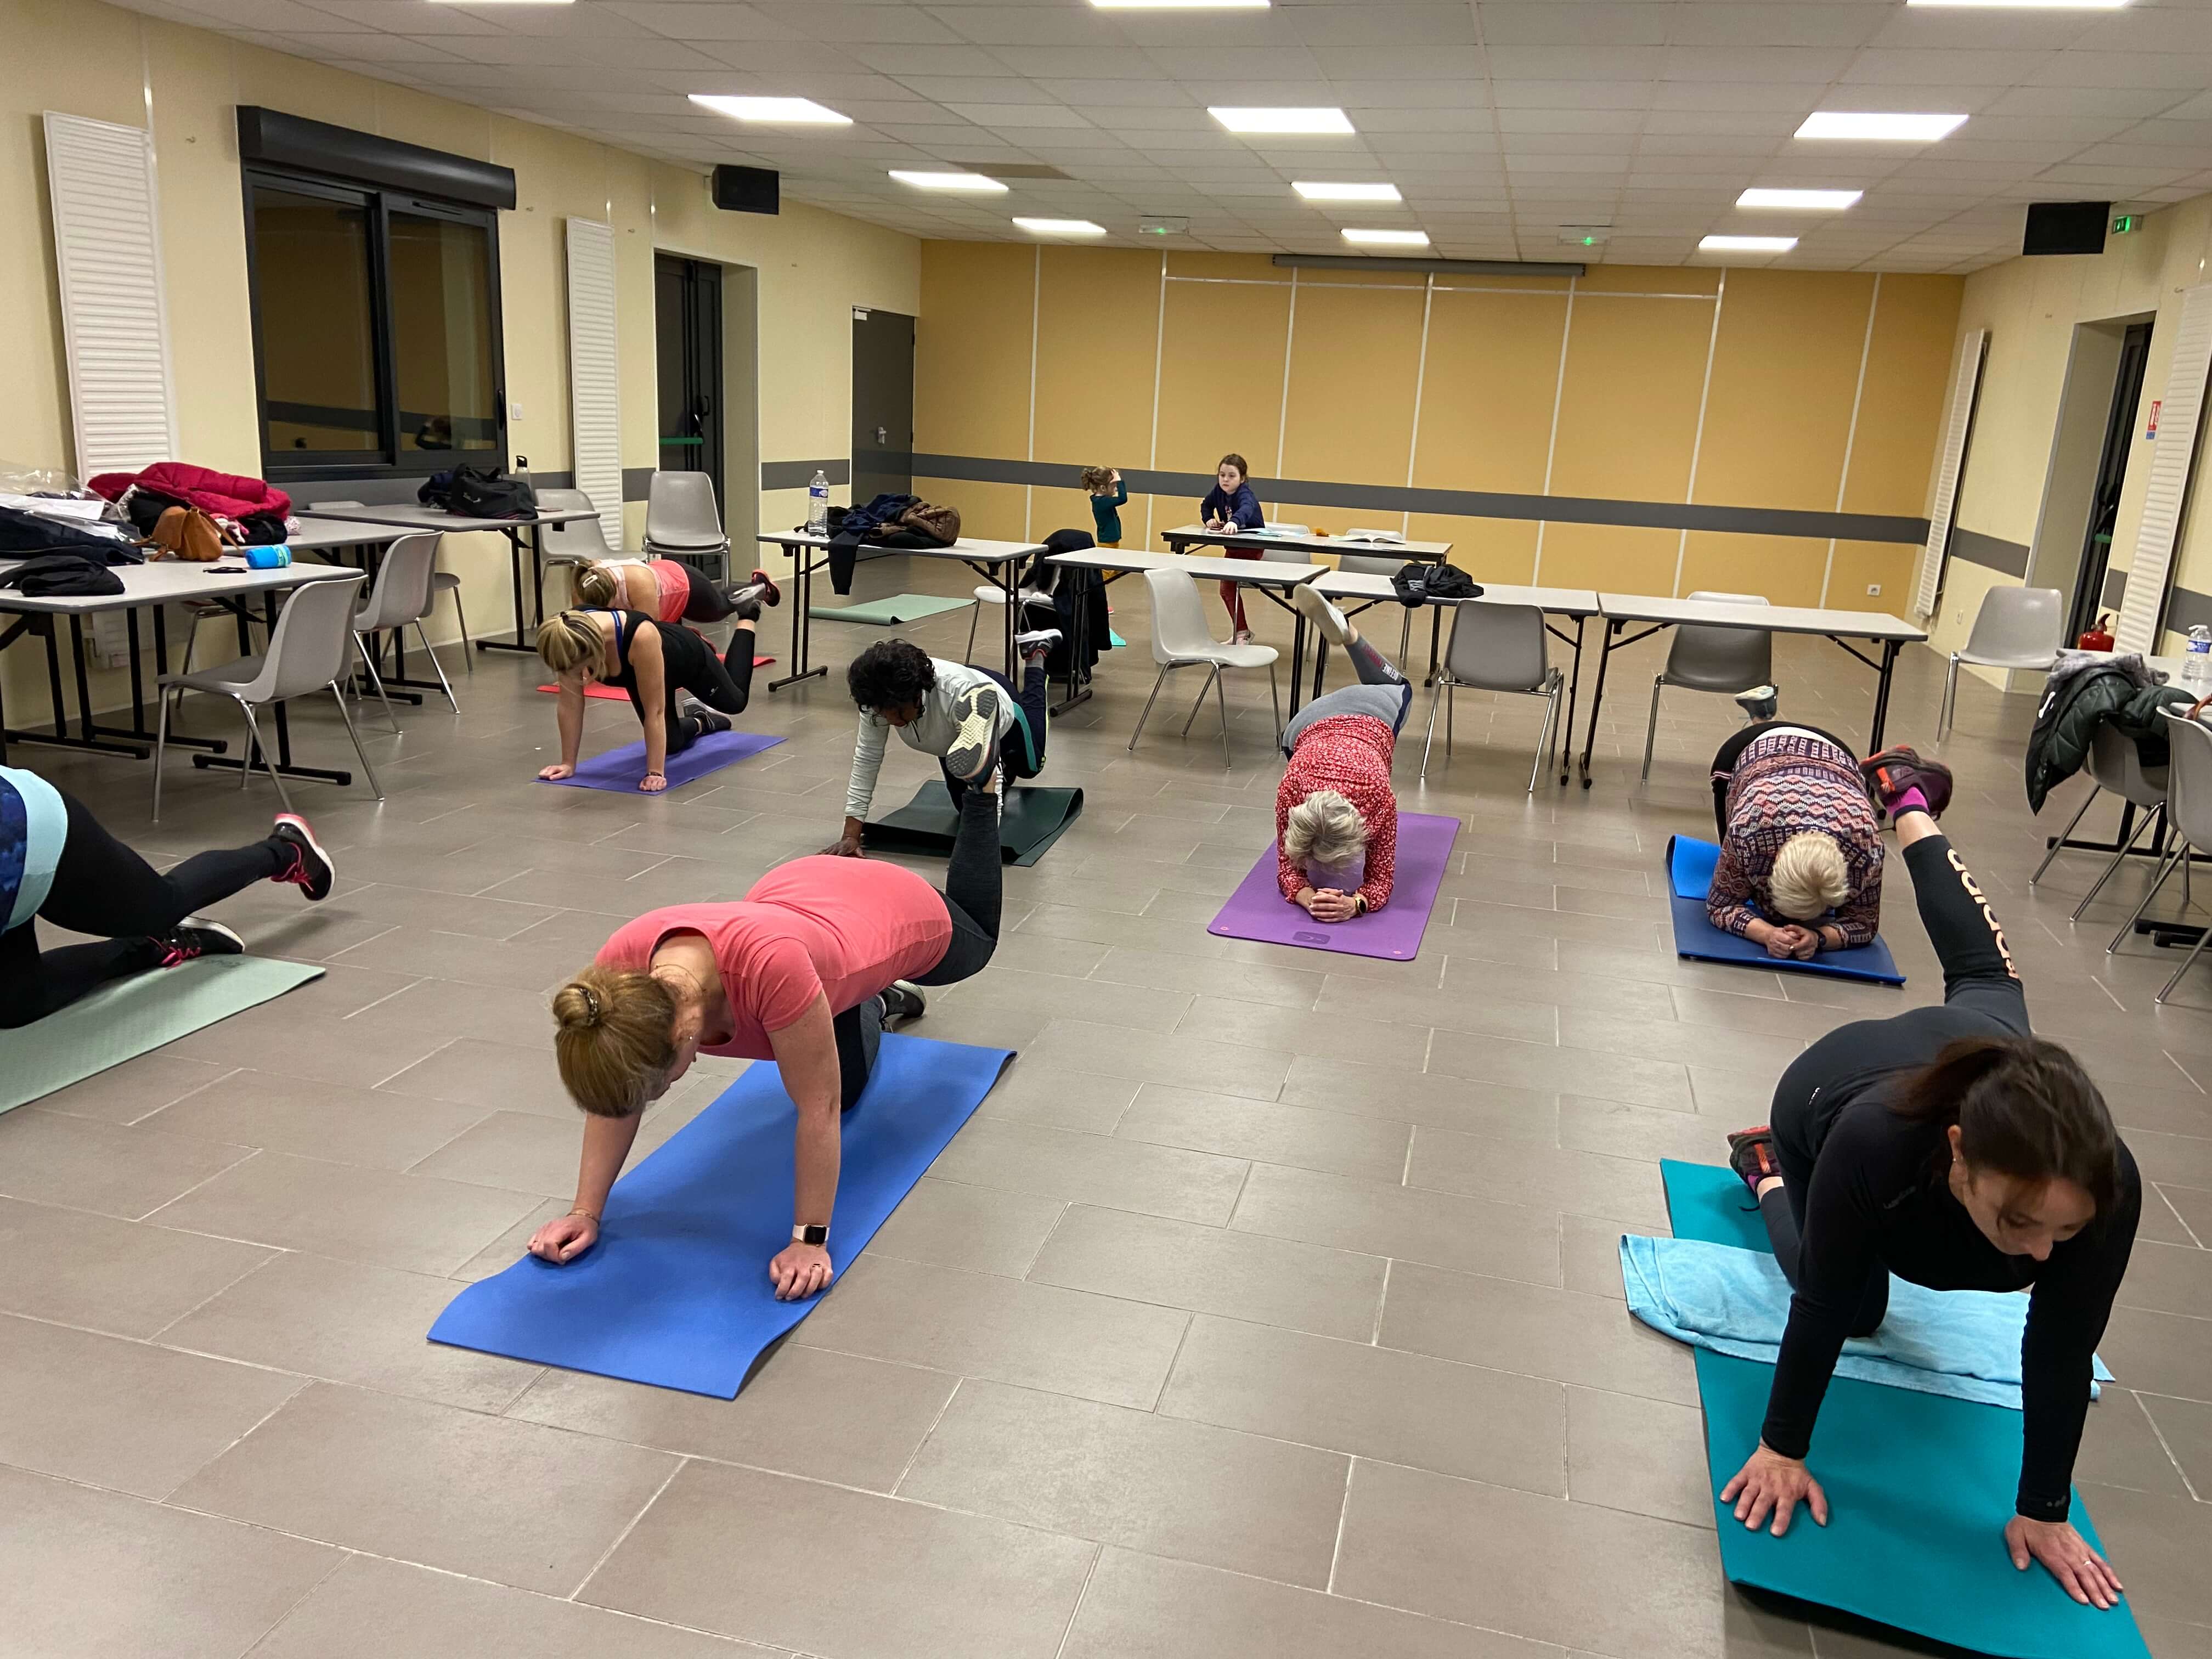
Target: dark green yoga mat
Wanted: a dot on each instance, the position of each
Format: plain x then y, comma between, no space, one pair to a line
1919,1486
134,1017
1034,819
890,613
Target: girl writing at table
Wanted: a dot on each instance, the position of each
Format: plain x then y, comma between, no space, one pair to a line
1230,505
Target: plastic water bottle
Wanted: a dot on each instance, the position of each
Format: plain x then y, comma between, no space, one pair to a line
2197,666
818,505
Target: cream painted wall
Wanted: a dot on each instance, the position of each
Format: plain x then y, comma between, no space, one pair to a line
85,58
2031,308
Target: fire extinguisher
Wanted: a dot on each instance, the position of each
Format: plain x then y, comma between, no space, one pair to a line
2099,638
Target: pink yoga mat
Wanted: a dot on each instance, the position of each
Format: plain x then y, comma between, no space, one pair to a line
1257,909
612,693
623,768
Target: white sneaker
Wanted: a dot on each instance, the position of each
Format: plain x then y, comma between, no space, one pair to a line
1041,639
1323,614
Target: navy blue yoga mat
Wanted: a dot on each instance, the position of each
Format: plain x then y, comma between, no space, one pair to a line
623,768
675,1292
1690,865
1919,1486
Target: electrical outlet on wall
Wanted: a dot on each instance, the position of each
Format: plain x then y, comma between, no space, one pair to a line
1874,590
514,410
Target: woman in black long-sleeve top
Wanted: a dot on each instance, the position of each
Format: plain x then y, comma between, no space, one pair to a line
1952,1147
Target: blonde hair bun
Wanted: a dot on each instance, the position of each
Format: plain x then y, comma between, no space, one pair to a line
613,1039
1809,877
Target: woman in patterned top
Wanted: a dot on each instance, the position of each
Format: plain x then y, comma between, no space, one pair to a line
1336,819
1800,868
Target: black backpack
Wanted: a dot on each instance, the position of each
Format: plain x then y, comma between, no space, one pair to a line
62,575
1418,584
479,492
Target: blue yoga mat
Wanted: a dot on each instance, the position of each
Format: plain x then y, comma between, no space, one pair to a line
1919,1486
1690,865
675,1292
623,768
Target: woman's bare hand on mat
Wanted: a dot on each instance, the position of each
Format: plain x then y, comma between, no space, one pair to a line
1329,905
564,1238
653,782
798,1271
559,769
2080,1571
1770,1481
1791,941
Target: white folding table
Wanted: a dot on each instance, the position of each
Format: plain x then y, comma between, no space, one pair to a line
150,587
418,516
1185,536
997,562
1891,633
1579,604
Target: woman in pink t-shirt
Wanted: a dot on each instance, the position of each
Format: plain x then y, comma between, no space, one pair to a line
807,970
666,591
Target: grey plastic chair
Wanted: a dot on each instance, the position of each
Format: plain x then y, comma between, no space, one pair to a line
1369,564
1497,647
682,520
441,582
1181,640
2016,628
402,596
2189,805
2115,767
309,649
1703,659
580,541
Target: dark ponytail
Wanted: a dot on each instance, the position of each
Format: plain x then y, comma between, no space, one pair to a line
2024,1109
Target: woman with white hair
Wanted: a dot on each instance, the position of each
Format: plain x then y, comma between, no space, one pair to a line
1336,819
1800,868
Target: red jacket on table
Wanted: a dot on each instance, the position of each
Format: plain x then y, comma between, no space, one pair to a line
1350,754
1786,783
227,494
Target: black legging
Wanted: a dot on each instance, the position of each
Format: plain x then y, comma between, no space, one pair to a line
975,888
1021,751
1982,996
1732,751
689,664
102,887
713,598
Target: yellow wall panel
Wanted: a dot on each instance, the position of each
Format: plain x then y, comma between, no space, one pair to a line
1785,369
1250,267
1901,408
1610,557
1097,318
1860,565
1488,550
1493,369
1322,277
1628,411
1651,279
992,512
1221,374
971,353
1784,569
1355,357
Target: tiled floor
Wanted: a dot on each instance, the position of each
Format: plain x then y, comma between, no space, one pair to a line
1268,1307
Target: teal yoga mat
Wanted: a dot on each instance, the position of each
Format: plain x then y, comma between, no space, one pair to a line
1919,1486
1033,819
890,613
134,1017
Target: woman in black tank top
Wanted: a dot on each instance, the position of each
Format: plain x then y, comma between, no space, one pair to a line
657,663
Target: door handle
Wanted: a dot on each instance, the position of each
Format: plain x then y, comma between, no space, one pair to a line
882,436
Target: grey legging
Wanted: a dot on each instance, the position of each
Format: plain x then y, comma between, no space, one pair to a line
1383,694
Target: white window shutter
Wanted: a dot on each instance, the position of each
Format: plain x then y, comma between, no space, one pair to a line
2143,604
594,398
108,254
1957,424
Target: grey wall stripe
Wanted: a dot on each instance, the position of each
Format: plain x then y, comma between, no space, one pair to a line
2116,588
1467,503
1990,551
2186,609
797,475
637,483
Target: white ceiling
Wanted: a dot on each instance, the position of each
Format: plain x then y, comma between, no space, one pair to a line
1500,120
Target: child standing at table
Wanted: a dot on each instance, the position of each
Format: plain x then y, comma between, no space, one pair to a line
1230,505
1108,494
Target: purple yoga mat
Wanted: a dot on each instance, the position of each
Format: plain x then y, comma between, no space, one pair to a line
1257,909
622,768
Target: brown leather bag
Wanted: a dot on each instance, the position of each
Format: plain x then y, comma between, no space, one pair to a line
939,524
186,533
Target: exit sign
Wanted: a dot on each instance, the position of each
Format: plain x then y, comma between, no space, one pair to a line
2124,223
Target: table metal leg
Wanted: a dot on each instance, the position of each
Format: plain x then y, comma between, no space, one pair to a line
1564,744
1010,585
1597,696
1889,650
521,642
802,624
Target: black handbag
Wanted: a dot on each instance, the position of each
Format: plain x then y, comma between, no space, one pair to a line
479,492
1417,585
62,575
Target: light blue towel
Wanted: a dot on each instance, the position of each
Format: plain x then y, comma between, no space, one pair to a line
1961,1343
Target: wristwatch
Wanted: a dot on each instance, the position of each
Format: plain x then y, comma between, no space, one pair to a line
803,1234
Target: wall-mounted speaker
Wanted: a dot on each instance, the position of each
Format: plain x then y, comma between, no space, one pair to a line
2066,227
748,190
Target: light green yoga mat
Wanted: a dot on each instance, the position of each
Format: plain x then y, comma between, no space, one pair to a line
890,613
134,1017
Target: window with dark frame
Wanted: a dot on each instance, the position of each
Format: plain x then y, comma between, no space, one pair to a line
376,330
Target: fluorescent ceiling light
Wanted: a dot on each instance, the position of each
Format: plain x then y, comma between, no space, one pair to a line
1182,5
1325,190
2029,5
1877,124
1825,200
967,181
793,112
1327,119
1387,238
1747,245
1061,226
